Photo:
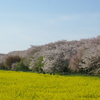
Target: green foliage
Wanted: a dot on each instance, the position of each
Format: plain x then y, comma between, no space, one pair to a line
21,66
2,66
38,65
10,60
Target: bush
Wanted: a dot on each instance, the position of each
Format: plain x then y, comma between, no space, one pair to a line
38,65
2,66
10,60
13,66
21,66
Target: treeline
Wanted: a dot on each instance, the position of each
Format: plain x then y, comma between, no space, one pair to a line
60,57
14,63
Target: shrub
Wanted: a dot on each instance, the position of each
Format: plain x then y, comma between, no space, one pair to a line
21,66
10,60
13,66
2,66
38,65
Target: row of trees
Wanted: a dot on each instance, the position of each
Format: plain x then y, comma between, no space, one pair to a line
70,56
14,63
62,56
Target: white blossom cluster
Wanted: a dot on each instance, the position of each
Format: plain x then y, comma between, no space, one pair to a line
62,56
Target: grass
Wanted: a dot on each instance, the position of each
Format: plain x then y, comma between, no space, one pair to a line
33,86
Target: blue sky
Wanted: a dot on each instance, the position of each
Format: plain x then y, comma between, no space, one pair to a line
37,22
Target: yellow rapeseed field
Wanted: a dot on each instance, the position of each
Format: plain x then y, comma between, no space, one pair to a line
33,86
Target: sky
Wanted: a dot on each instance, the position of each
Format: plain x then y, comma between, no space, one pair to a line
37,22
